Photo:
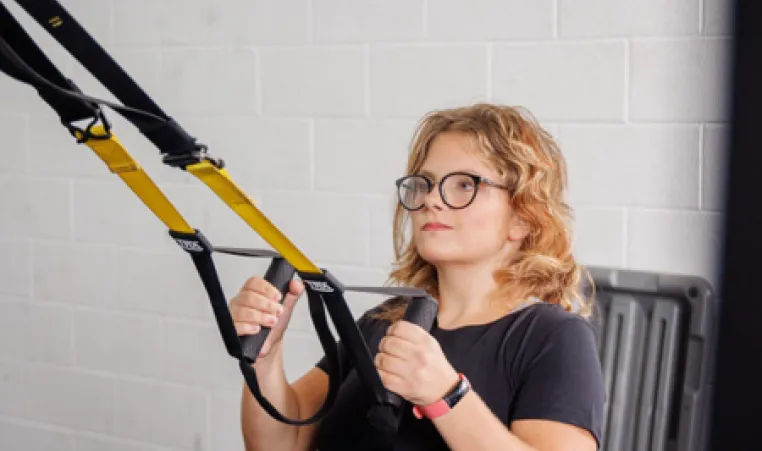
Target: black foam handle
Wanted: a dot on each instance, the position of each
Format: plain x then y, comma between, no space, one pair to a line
279,273
421,310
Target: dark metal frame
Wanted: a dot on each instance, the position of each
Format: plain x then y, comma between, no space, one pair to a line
737,396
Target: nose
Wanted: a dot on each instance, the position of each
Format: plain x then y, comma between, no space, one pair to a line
433,199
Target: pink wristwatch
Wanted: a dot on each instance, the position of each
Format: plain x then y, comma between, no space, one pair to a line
445,404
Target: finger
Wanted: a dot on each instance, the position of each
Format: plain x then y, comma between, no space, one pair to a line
396,347
391,364
263,287
246,328
250,299
254,316
392,382
408,331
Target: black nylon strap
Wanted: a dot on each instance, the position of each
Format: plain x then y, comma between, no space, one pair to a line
201,254
163,131
57,21
383,418
334,369
22,59
69,109
59,98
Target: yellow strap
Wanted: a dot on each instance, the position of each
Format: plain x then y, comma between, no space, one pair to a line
221,183
120,162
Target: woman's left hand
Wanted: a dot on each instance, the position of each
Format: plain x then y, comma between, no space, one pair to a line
411,364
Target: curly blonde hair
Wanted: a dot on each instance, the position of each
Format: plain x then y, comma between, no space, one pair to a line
513,142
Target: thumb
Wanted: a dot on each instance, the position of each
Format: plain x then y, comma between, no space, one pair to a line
296,287
295,290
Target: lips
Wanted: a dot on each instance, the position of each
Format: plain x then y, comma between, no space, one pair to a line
435,226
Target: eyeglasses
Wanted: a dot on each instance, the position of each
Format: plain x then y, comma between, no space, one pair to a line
458,189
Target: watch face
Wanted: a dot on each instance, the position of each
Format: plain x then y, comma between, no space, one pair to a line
459,391
446,403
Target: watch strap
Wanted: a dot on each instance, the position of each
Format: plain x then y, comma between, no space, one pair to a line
444,405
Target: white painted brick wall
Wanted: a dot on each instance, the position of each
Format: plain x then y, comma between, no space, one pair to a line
107,340
313,80
425,75
563,81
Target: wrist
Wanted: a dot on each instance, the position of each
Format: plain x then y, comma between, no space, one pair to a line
449,383
447,402
273,357
454,380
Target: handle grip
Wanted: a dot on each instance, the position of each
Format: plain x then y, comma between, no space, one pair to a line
279,273
422,310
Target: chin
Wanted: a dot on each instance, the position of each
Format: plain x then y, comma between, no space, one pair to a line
439,253
444,252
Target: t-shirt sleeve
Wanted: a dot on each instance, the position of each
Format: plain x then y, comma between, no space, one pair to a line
564,381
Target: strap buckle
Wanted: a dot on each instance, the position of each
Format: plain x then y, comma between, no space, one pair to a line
197,155
83,135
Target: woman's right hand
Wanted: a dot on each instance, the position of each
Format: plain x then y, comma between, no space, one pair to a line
257,305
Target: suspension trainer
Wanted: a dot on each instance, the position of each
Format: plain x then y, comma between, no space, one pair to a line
84,117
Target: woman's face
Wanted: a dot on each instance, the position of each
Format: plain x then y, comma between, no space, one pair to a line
486,229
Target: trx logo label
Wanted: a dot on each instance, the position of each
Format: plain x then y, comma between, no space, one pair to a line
190,246
318,285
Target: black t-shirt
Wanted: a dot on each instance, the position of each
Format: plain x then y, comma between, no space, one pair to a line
540,362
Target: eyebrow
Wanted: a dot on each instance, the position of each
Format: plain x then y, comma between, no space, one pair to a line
466,170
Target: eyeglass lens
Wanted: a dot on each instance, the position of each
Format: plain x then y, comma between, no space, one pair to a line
458,190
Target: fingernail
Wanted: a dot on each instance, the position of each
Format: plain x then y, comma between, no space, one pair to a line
279,310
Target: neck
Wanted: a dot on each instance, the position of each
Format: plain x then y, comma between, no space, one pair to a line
465,294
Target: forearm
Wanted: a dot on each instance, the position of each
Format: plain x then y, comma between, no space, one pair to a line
472,426
261,431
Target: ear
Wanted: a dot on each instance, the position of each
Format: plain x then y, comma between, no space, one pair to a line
518,228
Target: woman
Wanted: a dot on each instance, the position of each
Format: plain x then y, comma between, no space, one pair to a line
511,351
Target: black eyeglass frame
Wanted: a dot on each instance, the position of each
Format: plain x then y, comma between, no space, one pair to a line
478,180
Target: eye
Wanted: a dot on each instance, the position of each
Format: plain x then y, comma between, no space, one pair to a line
465,184
420,185
414,185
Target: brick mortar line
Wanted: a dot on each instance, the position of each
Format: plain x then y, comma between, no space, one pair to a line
107,375
73,433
